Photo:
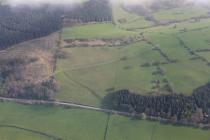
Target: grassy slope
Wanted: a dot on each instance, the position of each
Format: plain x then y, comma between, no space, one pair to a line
16,134
205,55
180,13
95,31
87,66
127,129
76,124
80,74
71,124
197,39
132,20
186,74
89,125
169,29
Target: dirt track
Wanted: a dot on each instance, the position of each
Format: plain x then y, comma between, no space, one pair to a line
64,104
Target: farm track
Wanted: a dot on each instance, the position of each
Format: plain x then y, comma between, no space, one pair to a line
31,131
64,104
87,107
80,106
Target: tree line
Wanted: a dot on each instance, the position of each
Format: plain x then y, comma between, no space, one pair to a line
175,107
92,11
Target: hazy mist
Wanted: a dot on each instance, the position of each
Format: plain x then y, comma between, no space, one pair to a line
40,2
71,2
132,2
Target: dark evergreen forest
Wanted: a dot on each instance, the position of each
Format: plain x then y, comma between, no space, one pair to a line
23,23
178,107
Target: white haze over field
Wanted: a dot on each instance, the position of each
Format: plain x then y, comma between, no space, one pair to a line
41,2
145,2
72,2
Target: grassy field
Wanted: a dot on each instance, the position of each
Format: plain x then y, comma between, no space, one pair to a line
180,13
76,124
120,67
186,74
115,68
95,31
68,124
123,128
88,74
130,20
197,39
205,55
16,134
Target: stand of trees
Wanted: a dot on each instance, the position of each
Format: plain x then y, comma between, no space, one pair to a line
177,107
92,11
13,82
23,23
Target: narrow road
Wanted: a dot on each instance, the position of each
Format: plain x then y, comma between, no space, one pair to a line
65,104
82,106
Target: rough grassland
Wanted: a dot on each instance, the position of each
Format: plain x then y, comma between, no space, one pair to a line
76,124
95,31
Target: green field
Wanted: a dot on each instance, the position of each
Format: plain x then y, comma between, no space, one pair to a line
68,124
76,124
115,67
87,74
16,134
123,128
128,20
95,31
180,13
120,67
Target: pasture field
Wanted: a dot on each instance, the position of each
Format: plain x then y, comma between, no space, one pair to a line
67,124
95,31
197,39
120,67
115,67
206,55
202,25
180,13
16,134
167,54
124,128
78,124
128,20
186,74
